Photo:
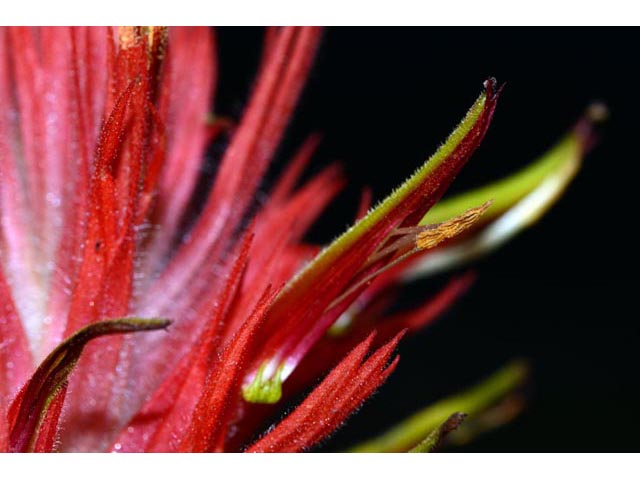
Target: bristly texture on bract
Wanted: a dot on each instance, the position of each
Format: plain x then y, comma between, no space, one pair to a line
102,136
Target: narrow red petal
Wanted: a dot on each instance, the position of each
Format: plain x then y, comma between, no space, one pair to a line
279,227
223,384
163,419
38,95
328,351
247,157
331,402
432,308
87,84
101,245
191,80
104,284
287,181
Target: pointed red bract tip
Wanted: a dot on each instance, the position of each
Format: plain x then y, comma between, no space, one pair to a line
222,386
162,421
327,407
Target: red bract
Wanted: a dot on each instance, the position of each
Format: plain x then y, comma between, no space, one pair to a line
102,134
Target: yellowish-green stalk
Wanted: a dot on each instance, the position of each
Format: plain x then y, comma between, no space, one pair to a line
414,429
519,201
508,191
437,435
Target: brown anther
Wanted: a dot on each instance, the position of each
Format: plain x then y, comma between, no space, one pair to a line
438,233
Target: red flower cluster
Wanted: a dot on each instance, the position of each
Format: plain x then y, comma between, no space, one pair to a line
102,135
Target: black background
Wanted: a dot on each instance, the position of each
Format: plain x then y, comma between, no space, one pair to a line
384,98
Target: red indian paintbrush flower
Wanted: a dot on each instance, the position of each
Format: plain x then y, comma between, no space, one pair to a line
102,136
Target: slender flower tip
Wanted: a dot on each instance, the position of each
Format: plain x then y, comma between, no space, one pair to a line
264,389
435,438
492,88
586,129
151,323
130,324
597,112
